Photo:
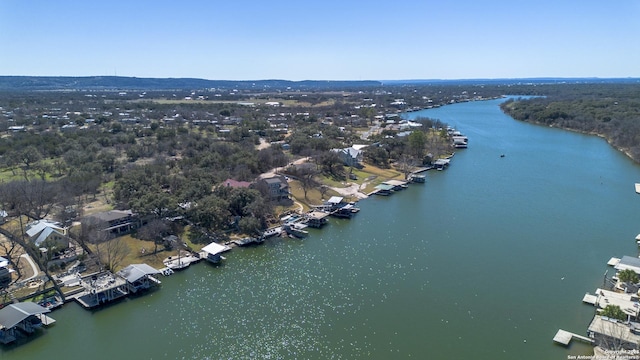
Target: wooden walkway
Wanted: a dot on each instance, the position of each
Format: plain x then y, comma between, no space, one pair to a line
564,337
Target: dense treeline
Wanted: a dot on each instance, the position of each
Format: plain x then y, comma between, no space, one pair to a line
609,110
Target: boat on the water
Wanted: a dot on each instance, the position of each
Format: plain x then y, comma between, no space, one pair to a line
272,232
296,229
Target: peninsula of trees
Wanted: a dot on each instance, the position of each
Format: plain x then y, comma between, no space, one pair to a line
610,110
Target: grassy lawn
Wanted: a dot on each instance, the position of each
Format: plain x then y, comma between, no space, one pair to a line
137,255
314,197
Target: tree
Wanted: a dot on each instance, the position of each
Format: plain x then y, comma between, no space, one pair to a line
406,164
211,213
240,198
306,177
29,156
628,276
112,252
154,231
249,225
614,311
377,156
416,143
331,164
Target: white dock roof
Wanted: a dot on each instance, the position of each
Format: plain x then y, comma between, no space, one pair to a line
395,182
613,261
214,248
335,200
134,272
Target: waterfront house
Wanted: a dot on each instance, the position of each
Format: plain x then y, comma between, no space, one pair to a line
18,319
276,188
116,222
33,229
139,277
51,238
351,156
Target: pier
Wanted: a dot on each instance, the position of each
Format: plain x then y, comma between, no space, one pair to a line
179,262
564,337
46,321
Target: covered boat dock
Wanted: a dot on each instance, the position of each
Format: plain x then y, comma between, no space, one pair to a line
213,252
20,318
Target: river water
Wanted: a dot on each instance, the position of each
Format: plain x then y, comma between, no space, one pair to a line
486,260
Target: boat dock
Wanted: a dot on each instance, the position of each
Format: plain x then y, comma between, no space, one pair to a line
46,321
564,337
181,261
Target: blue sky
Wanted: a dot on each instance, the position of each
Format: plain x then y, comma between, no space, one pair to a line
321,40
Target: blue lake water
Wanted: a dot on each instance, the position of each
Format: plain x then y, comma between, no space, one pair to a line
486,260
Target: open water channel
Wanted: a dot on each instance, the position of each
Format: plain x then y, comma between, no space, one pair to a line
487,260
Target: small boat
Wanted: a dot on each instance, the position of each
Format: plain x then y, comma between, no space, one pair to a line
272,232
247,241
51,302
501,155
178,262
296,230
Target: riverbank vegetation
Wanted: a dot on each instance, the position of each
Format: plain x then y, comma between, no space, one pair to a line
608,110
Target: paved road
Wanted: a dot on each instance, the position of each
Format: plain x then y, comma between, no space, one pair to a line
36,271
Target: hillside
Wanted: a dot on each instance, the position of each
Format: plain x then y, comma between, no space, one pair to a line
27,83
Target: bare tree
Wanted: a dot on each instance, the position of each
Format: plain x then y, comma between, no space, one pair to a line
306,178
323,190
112,252
406,164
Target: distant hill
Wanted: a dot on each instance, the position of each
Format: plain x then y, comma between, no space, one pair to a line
135,83
514,81
30,83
